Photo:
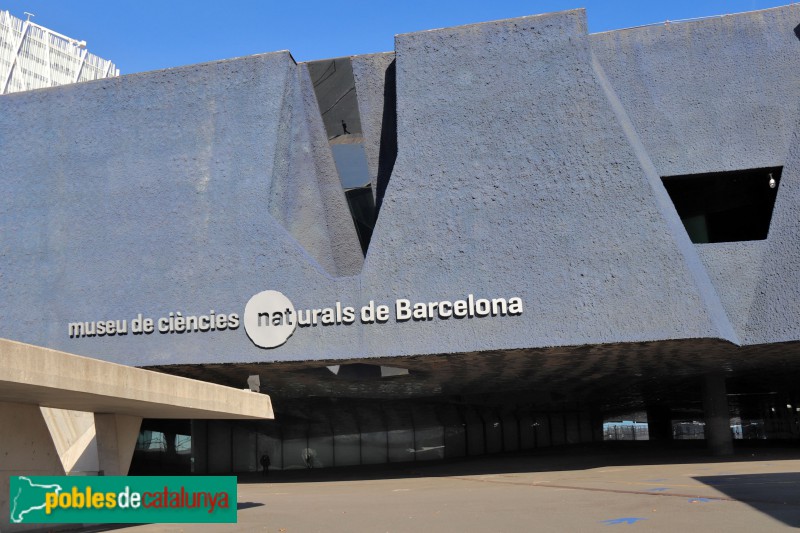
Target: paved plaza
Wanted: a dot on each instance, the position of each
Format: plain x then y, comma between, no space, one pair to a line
580,489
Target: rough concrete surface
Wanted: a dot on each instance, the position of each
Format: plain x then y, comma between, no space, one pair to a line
709,95
529,157
722,94
528,188
773,315
369,72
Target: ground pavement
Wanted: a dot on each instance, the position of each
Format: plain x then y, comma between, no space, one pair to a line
579,489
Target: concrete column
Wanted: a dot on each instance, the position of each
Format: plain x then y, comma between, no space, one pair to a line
26,449
116,440
219,436
597,426
199,446
717,415
73,434
659,423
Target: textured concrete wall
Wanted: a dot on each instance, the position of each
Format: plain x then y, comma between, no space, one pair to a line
735,269
530,187
176,190
529,164
715,95
709,95
369,72
774,315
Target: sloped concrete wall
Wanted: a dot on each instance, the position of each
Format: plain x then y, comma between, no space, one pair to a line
528,185
305,193
774,315
168,191
709,95
715,95
529,163
370,73
735,269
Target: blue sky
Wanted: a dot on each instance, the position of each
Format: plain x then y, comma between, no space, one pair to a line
141,35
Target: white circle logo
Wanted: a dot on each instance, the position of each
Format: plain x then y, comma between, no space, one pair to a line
269,319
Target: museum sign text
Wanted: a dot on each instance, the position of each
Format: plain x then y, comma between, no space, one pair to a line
270,318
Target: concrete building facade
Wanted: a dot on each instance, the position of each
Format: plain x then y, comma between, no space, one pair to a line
561,225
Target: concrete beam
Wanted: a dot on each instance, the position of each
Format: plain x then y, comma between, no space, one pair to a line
40,376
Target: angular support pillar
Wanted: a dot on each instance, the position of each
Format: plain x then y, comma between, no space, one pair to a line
659,423
116,440
26,449
717,415
74,436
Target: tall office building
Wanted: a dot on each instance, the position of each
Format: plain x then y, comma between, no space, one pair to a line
34,57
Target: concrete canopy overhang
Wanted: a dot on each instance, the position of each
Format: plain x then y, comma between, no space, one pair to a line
50,378
607,377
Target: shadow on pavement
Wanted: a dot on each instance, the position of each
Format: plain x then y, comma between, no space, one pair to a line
247,505
776,495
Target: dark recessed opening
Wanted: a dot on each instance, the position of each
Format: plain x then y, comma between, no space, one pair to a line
362,209
335,88
366,371
725,206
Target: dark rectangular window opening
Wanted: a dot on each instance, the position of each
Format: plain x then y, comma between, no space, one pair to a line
725,206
